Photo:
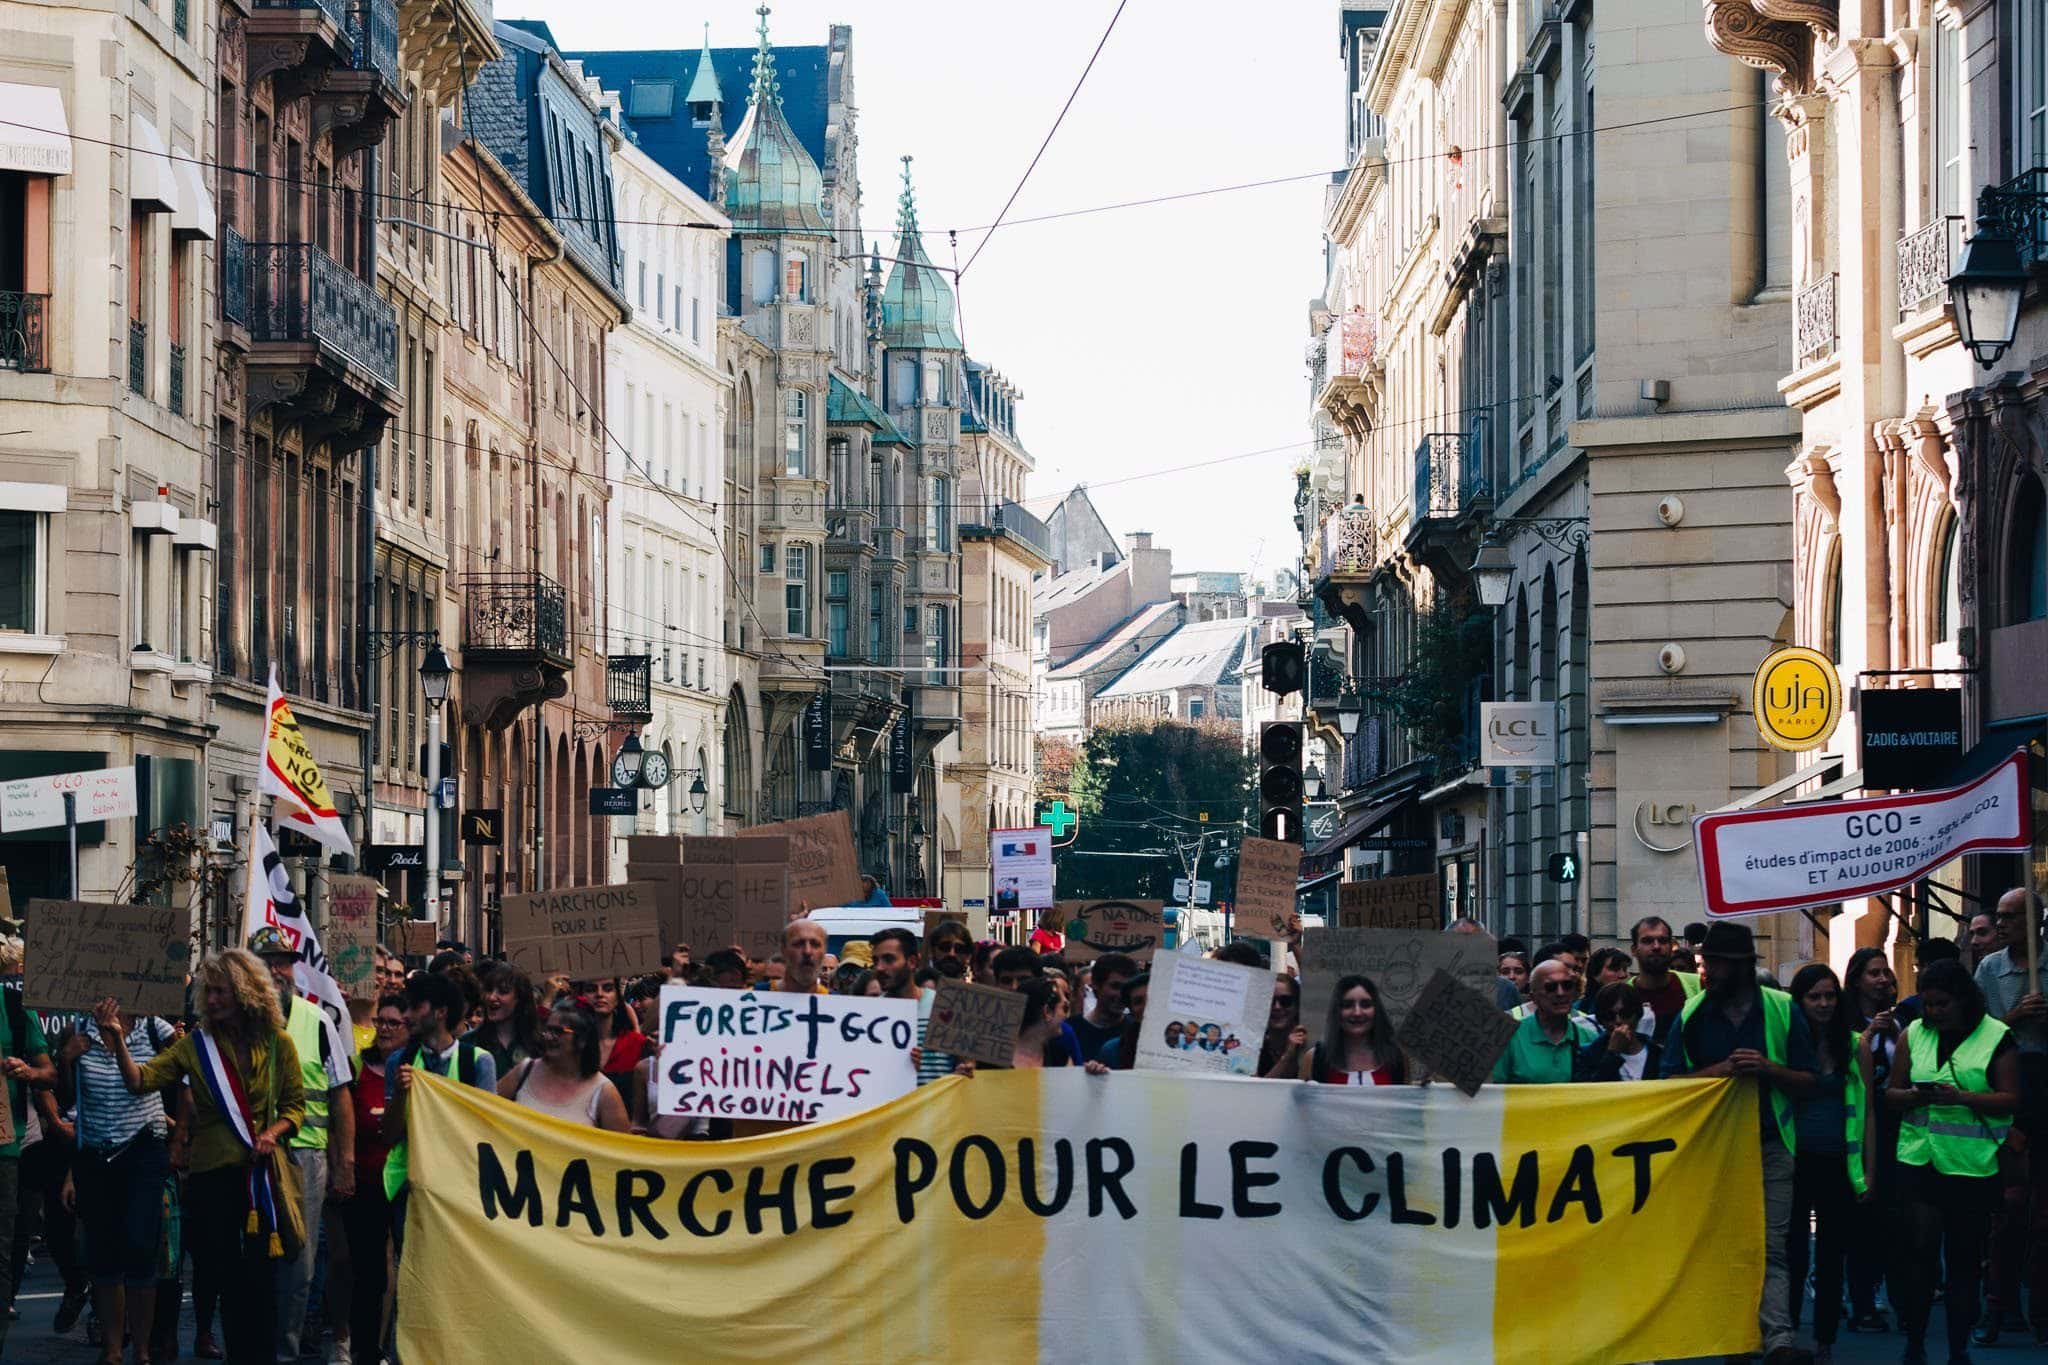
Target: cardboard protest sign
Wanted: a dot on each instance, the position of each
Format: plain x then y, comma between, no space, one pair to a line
1399,962
350,938
413,937
1267,872
1134,928
822,867
1457,1032
782,1057
78,953
981,1022
729,891
1204,1016
585,932
1390,903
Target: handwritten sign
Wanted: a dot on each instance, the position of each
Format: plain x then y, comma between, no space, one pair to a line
584,933
1390,903
414,937
1204,1016
981,1022
38,802
822,867
1457,1032
1133,928
730,891
1267,872
76,953
350,938
776,1057
1399,962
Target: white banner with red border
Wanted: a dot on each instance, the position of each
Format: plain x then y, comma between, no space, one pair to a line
1758,862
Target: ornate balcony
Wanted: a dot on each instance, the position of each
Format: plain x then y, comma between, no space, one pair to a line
1814,331
326,346
345,57
629,685
1347,545
515,645
24,339
1924,263
1452,498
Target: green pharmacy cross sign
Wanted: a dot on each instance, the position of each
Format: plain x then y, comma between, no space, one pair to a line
1059,819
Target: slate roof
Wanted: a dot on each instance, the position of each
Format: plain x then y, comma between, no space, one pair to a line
675,142
1104,651
1199,654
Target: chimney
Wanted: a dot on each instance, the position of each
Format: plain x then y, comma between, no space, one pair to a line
1141,540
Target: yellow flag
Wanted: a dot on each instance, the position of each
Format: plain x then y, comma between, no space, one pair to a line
292,775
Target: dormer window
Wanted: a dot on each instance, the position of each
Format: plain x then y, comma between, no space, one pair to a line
700,114
651,99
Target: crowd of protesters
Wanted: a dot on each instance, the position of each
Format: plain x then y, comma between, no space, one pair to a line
1904,1152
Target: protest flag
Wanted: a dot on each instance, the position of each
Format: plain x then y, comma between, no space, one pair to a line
292,775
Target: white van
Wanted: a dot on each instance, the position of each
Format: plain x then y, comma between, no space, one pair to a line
847,923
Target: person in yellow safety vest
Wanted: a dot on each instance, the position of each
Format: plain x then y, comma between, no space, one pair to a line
1737,1027
1955,1096
324,1148
1870,991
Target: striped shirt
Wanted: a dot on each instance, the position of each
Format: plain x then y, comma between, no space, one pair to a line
108,1116
931,1065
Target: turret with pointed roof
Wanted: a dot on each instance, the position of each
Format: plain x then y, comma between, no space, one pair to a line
772,184
917,304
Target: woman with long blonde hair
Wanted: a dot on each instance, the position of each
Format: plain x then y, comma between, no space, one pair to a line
247,1099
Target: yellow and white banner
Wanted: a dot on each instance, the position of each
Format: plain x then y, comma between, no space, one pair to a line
1056,1216
292,775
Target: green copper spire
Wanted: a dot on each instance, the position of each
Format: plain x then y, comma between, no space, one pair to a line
764,66
704,86
906,205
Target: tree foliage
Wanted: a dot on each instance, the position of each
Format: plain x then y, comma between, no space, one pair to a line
1140,787
1431,700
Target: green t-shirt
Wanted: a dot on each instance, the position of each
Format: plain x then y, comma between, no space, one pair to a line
1532,1059
30,1046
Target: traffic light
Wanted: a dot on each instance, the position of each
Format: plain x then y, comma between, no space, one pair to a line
1282,667
1280,779
1562,867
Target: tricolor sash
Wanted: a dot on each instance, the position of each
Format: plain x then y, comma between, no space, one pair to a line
231,1102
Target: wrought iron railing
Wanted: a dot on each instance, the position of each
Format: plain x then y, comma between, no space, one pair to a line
300,293
517,614
1814,331
234,276
2020,208
1347,543
138,356
374,27
24,338
1024,525
177,394
629,683
1449,481
333,9
1924,266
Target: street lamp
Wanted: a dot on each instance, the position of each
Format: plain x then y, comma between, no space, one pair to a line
1493,572
1312,783
434,676
1349,713
698,793
631,758
1985,290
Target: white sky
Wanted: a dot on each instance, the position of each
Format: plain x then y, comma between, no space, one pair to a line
1143,338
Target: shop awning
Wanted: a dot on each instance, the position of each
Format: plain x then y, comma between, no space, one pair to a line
1360,825
34,134
151,181
1987,753
194,214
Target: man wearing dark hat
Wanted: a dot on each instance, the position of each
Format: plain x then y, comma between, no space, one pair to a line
1735,1027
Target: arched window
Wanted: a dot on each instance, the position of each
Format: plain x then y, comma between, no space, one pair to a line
903,383
2027,555
763,276
796,279
739,780
1948,602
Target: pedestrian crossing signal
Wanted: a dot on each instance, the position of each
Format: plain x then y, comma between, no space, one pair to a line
1563,867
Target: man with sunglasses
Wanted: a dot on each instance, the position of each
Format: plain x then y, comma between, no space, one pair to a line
950,942
2020,1234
